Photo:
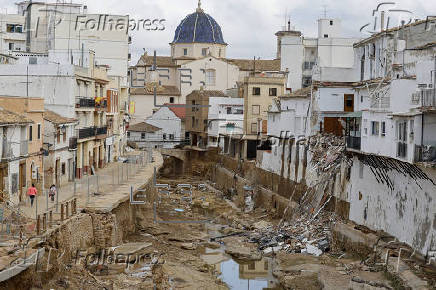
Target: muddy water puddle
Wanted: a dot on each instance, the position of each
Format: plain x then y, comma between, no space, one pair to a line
239,274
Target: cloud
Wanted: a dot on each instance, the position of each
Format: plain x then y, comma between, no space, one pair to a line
248,25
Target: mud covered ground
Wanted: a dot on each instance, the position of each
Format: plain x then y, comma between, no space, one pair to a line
202,245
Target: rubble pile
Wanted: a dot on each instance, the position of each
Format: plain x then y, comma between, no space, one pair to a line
305,235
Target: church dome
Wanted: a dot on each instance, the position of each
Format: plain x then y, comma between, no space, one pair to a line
198,27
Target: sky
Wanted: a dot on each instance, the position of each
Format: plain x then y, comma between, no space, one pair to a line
248,25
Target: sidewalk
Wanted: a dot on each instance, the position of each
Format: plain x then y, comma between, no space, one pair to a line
108,181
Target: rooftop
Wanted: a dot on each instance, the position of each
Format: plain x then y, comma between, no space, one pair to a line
57,119
9,118
143,127
178,111
259,65
160,90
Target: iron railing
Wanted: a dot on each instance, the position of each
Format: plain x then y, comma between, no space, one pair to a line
353,142
428,98
83,102
102,130
24,148
85,133
6,149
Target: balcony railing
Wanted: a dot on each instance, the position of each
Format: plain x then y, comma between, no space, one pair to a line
425,153
82,102
73,143
401,149
101,130
24,148
85,133
353,142
102,104
428,98
6,149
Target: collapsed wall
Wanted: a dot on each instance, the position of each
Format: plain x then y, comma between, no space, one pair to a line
380,193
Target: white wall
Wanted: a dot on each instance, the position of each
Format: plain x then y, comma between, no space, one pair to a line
226,75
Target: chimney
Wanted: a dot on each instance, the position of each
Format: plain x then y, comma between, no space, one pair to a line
289,25
85,9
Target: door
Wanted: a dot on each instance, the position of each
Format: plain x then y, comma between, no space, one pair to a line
348,103
332,125
22,181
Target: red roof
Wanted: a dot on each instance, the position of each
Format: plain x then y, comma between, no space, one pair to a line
178,111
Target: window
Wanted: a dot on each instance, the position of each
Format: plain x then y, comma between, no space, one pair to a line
171,136
307,81
361,98
14,28
255,110
164,136
254,128
63,168
219,52
30,133
58,135
193,121
252,266
64,136
171,100
11,46
210,77
185,51
193,106
39,131
256,91
375,128
142,136
331,22
204,51
273,92
128,134
326,35
33,60
383,129
229,110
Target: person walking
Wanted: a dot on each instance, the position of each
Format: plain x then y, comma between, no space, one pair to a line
53,192
32,192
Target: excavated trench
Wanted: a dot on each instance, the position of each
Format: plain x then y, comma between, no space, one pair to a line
177,239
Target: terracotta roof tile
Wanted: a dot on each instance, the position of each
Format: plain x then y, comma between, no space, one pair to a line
178,111
162,61
143,127
57,119
261,65
8,117
161,90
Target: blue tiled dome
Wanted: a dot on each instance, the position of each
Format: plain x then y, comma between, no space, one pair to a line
198,27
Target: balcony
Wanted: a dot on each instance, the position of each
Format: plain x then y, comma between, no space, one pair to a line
101,132
86,133
353,142
425,153
73,143
85,103
24,148
428,98
7,150
402,149
101,104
